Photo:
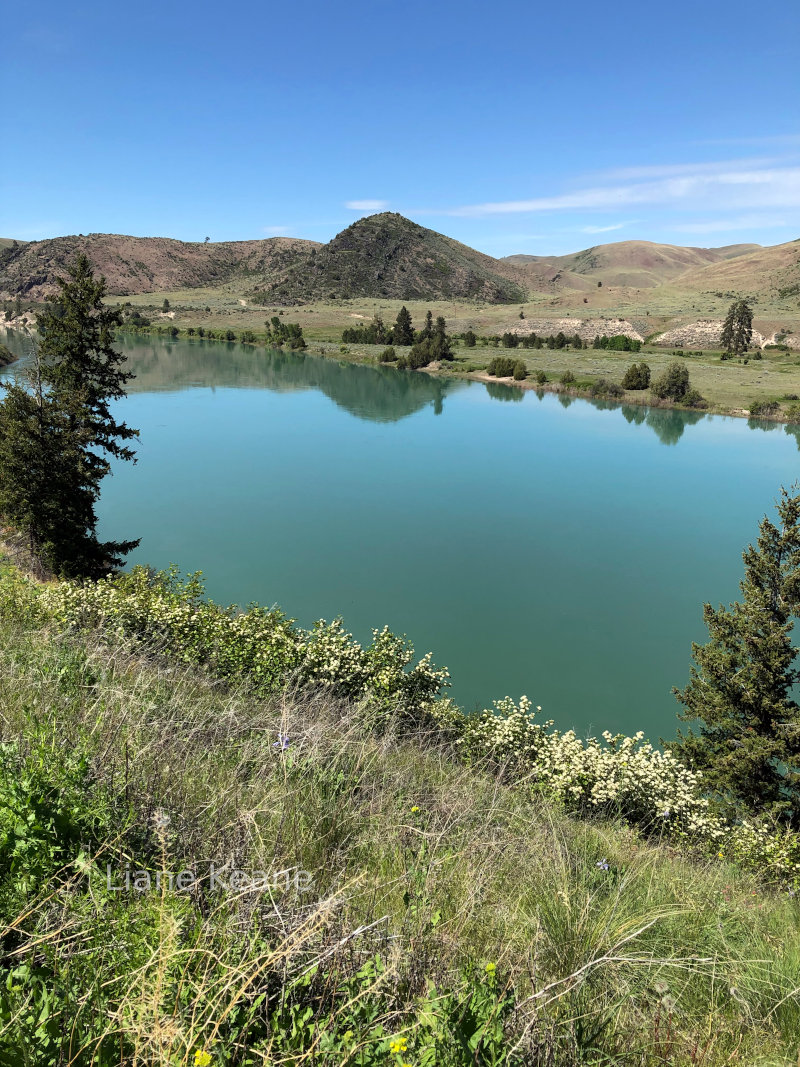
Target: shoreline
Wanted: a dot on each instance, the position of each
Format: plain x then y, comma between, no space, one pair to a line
579,391
332,350
638,397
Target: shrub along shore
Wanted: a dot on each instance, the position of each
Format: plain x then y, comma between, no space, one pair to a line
482,890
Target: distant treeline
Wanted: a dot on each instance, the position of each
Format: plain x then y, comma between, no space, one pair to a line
403,333
618,342
286,334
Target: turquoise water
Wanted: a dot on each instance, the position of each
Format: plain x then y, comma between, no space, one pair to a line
558,548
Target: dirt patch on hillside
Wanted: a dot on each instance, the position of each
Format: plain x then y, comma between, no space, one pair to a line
586,329
706,333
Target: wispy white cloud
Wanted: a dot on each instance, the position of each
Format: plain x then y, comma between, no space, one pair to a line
366,205
604,229
749,185
277,231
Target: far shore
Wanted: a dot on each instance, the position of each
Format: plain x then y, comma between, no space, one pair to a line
775,377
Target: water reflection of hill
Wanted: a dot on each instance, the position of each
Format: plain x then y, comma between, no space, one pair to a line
380,394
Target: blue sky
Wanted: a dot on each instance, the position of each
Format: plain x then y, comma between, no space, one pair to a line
514,127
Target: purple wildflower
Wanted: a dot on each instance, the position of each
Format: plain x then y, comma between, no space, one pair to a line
282,743
602,864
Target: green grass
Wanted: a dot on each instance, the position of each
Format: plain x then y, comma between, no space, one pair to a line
602,947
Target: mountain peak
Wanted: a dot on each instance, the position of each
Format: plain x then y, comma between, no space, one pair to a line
388,255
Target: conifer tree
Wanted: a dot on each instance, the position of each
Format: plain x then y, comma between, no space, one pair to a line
57,431
737,330
80,366
403,331
42,487
673,384
440,342
747,743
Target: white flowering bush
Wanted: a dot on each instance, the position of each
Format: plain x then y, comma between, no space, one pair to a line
620,776
774,851
331,656
263,646
171,614
627,777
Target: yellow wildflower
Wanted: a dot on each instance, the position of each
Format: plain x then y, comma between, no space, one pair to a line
202,1058
398,1045
414,809
491,968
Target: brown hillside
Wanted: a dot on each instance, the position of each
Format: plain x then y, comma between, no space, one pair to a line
386,256
635,264
145,264
774,270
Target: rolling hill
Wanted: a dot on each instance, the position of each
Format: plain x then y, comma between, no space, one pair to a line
146,264
386,256
635,264
381,255
760,271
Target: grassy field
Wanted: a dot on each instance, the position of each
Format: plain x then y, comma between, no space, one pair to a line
451,918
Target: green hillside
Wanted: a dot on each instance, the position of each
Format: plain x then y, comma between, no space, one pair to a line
438,909
386,255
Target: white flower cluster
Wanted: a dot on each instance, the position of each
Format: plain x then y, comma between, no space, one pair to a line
621,775
262,646
332,656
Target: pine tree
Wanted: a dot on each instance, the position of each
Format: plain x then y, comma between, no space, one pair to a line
737,330
440,342
740,688
427,329
45,493
80,365
57,433
403,331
